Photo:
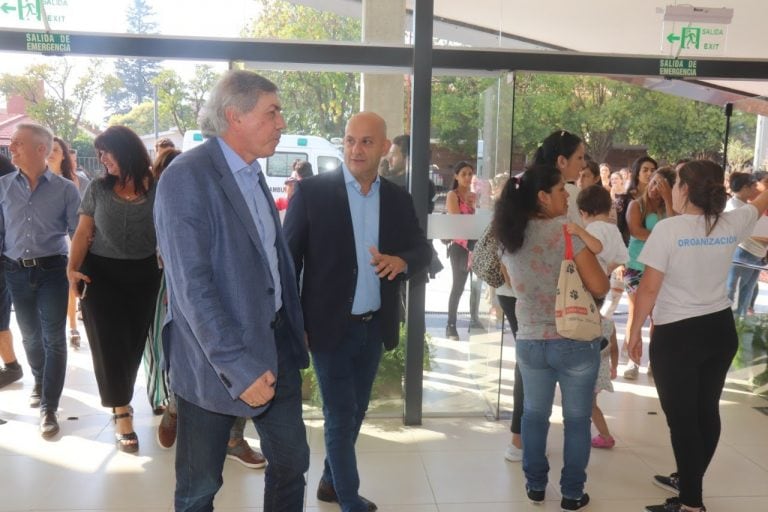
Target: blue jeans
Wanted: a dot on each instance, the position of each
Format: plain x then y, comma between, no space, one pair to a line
201,445
743,278
573,364
346,377
40,296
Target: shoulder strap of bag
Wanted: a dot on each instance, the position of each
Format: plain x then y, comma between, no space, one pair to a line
568,244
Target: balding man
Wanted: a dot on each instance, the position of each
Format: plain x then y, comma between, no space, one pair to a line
38,211
356,237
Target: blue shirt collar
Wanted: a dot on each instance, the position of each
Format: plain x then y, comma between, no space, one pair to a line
350,180
46,176
234,161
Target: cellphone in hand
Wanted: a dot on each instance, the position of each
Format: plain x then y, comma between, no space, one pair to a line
82,287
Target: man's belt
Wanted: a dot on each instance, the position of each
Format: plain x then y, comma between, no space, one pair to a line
365,317
43,261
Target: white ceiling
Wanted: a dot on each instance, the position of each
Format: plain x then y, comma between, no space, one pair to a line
628,27
621,27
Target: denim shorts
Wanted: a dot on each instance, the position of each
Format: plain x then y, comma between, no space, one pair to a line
632,279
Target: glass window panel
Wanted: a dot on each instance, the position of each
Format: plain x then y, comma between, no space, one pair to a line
259,19
327,163
281,163
471,122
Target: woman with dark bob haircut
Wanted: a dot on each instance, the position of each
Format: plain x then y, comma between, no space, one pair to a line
113,269
687,258
528,222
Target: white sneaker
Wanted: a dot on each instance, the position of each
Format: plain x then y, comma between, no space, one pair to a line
513,453
632,372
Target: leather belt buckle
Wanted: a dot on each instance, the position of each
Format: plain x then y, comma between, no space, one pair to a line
363,317
28,263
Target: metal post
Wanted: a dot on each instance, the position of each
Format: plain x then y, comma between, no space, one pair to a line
512,126
155,119
728,114
761,143
512,172
421,98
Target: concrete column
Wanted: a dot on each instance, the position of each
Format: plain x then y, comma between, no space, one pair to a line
761,144
384,23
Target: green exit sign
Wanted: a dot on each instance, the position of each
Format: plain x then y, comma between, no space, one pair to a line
24,9
47,42
706,40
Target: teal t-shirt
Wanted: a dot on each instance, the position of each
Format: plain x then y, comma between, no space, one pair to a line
635,245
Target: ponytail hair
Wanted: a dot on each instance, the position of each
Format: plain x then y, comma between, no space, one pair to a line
558,143
705,188
519,202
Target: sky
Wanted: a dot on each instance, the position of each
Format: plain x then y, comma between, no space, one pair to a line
200,18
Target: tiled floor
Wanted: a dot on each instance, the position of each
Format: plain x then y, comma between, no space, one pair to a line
452,464
445,465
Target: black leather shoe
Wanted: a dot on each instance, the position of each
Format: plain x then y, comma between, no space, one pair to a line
49,425
36,395
10,375
326,493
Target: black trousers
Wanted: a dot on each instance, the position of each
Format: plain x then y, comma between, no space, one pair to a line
117,311
459,257
690,360
508,306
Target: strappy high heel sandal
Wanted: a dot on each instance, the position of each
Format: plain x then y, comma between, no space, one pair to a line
74,338
128,443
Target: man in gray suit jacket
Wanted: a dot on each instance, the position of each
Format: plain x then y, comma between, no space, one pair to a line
234,335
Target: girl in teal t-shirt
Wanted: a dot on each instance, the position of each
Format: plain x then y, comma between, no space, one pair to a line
642,215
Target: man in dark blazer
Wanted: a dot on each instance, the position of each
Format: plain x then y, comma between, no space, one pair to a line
356,238
234,335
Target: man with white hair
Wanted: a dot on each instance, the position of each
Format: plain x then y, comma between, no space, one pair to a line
234,335
38,211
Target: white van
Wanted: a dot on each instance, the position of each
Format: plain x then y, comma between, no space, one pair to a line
319,152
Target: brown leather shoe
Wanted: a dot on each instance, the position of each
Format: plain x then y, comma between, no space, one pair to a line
326,493
245,455
166,430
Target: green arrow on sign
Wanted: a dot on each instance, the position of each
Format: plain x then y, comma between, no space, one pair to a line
7,8
672,38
